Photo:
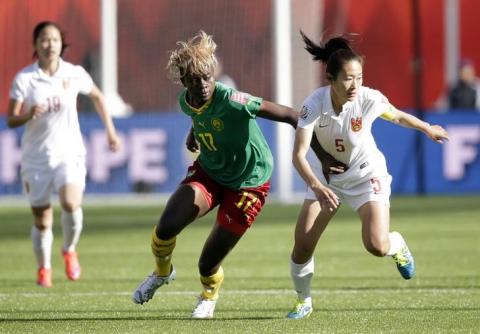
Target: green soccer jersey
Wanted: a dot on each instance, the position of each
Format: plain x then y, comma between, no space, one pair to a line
233,150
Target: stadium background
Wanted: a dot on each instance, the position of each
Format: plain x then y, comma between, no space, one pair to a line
406,58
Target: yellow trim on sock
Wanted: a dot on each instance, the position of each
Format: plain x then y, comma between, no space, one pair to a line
211,284
162,251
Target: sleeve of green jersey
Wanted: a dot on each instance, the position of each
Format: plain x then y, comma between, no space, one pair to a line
246,102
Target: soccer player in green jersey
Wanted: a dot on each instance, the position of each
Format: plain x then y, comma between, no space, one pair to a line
232,170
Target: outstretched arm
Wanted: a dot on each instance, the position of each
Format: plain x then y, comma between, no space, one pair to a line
434,132
277,112
330,165
280,113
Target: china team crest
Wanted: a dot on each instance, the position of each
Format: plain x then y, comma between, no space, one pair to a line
356,124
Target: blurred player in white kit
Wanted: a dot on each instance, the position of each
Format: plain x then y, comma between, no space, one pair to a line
43,97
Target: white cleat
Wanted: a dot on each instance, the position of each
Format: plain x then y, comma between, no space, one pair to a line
147,288
301,310
204,308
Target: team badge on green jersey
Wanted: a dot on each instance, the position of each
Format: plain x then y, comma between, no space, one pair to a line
217,124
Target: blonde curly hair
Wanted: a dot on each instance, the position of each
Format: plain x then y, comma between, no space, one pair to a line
195,57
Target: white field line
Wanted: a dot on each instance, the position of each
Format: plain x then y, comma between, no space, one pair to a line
247,292
130,199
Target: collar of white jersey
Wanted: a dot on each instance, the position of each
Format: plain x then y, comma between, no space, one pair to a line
42,75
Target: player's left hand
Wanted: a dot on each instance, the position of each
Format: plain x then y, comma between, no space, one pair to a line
437,133
114,142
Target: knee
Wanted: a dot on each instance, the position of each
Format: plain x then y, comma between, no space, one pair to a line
42,219
70,206
42,225
377,246
165,228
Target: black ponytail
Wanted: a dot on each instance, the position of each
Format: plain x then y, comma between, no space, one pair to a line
336,52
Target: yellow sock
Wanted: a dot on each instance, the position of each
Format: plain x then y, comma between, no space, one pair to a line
211,284
162,250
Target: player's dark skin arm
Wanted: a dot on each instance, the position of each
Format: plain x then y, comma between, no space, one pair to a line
330,165
279,113
192,144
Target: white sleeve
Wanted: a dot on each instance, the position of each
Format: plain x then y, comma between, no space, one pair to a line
372,109
381,108
374,101
85,81
307,117
18,91
376,95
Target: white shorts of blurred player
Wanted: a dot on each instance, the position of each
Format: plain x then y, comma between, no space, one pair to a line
376,189
40,182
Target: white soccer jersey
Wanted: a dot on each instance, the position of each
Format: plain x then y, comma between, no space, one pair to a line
54,136
347,136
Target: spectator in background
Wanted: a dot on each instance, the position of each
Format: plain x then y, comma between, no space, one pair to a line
43,97
465,94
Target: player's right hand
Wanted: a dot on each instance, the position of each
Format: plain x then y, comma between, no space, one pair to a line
326,197
36,111
191,143
330,165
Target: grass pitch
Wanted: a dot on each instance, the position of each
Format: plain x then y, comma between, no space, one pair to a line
354,292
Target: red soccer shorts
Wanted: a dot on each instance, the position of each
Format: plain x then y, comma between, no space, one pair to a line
238,208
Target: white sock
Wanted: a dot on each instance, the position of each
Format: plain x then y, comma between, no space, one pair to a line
42,246
302,276
396,243
72,224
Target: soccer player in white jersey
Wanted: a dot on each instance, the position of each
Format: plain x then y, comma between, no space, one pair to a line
43,97
341,115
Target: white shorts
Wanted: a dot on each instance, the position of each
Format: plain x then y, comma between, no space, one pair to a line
376,189
39,183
